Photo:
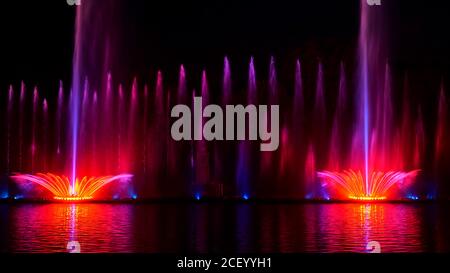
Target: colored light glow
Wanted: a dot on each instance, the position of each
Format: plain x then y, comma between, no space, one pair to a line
75,198
245,197
367,198
197,196
413,197
357,187
61,186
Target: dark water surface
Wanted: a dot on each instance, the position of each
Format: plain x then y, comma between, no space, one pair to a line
224,228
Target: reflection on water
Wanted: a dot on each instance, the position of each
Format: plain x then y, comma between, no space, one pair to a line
224,228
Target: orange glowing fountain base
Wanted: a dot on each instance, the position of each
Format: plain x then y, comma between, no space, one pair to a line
354,185
61,187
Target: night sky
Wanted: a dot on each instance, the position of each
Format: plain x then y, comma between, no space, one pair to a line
37,36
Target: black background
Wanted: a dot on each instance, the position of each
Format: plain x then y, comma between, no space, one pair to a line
37,36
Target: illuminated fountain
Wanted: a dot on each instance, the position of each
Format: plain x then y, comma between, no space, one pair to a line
65,190
357,187
337,140
376,156
83,117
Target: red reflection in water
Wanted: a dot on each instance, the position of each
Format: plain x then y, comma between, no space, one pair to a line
349,227
224,228
48,228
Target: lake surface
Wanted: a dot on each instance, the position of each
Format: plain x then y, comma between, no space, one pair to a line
224,227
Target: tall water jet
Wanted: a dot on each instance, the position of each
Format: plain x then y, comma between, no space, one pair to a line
45,129
273,83
75,103
298,91
441,147
269,170
145,130
225,153
297,119
21,122
182,89
441,130
310,174
419,141
407,122
337,144
132,127
251,91
363,87
159,129
374,169
94,123
8,130
243,170
297,137
226,82
320,119
180,157
382,131
34,126
202,153
85,118
59,117
121,125
107,124
200,148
